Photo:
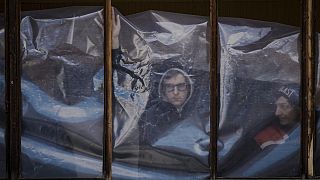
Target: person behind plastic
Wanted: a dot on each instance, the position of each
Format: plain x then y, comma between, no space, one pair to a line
169,108
266,136
287,118
175,87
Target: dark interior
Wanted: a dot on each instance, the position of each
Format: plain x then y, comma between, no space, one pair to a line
281,11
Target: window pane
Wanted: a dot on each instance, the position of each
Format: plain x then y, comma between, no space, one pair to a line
161,127
2,95
259,125
62,89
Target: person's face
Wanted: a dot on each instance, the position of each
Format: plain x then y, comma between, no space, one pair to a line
285,111
176,90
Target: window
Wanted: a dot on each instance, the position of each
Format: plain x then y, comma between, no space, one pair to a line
62,93
260,123
161,126
72,112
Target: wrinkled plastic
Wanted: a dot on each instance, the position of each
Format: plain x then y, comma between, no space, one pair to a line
155,135
62,118
63,107
256,59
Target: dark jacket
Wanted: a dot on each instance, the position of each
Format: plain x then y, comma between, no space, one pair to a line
156,120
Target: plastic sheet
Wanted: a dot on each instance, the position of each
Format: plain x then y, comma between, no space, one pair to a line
259,127
154,136
63,107
161,97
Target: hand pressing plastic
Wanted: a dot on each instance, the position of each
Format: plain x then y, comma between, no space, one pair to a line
116,26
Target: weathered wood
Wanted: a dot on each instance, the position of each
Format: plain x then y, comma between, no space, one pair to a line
214,87
308,77
108,90
13,87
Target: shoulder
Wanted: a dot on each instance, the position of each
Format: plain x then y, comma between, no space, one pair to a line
159,114
270,135
160,106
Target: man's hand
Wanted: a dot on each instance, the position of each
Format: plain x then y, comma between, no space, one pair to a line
116,26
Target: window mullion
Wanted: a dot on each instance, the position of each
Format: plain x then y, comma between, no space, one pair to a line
308,86
13,87
214,87
107,160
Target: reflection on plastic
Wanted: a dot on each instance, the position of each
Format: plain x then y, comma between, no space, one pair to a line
62,98
259,127
161,97
161,91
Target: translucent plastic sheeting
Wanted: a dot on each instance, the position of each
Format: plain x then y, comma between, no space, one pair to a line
2,105
259,125
155,134
63,109
161,97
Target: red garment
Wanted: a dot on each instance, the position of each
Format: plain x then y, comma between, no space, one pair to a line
271,135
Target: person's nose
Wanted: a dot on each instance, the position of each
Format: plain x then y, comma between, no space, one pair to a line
175,91
278,111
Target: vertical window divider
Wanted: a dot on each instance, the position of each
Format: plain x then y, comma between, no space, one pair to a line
13,87
308,86
214,88
312,123
108,95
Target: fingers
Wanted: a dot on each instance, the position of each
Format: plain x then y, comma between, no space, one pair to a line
118,19
115,29
115,21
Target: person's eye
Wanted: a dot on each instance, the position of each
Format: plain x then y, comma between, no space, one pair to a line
182,86
169,87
